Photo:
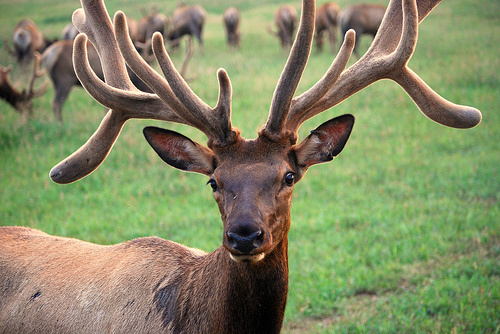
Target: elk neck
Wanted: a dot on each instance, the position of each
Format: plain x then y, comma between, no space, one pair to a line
228,296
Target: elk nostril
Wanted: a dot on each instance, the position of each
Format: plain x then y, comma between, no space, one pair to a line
259,239
245,244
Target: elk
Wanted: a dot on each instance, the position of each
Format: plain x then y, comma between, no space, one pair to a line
150,23
326,21
364,19
285,19
231,19
151,285
27,39
187,20
21,101
58,62
69,31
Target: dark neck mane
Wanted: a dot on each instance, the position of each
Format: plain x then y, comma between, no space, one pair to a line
239,297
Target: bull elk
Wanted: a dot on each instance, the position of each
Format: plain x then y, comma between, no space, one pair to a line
151,285
231,19
364,19
285,19
27,40
21,100
326,21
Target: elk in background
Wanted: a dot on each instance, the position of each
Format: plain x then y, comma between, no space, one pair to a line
326,21
231,19
364,19
21,101
151,285
57,60
187,20
285,19
151,23
27,39
69,32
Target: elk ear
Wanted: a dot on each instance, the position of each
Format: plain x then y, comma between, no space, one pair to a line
326,142
179,151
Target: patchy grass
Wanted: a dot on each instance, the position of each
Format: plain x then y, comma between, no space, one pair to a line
400,234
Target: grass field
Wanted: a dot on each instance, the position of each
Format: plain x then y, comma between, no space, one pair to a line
400,234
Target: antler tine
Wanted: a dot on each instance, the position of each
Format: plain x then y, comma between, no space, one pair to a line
387,58
37,73
216,122
301,104
174,91
123,104
93,20
290,77
129,104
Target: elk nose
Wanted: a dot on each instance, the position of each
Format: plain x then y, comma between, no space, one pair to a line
245,244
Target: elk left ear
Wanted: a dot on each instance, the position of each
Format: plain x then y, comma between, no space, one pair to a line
326,142
179,151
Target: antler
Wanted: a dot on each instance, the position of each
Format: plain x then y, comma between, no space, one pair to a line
387,57
21,100
177,104
174,101
292,73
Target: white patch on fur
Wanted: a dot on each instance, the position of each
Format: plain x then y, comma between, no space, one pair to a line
247,258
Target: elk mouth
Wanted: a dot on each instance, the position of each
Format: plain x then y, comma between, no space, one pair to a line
244,258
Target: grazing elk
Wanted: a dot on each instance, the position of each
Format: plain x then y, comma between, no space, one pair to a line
151,23
187,20
326,21
151,285
231,19
27,40
58,62
364,19
69,31
21,101
285,19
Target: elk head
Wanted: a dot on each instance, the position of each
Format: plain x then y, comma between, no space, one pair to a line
252,180
22,100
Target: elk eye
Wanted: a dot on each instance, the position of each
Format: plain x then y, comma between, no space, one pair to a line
213,184
289,179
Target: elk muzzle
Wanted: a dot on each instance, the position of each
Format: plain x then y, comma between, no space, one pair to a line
246,241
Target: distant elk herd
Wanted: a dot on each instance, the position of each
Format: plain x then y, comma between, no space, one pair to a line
54,57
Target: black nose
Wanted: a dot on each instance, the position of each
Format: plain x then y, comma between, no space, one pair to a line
245,244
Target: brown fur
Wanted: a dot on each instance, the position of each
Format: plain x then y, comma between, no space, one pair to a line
231,19
124,288
149,24
27,39
187,20
326,21
286,19
365,19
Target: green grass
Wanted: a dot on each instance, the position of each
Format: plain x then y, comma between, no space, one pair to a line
400,234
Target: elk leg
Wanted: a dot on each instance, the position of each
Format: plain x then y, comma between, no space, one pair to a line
333,39
319,40
61,94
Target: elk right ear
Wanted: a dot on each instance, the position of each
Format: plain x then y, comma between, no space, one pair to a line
325,142
179,151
